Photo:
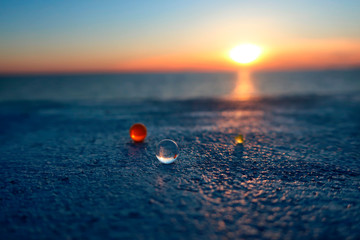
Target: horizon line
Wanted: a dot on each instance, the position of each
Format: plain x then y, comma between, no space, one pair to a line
174,71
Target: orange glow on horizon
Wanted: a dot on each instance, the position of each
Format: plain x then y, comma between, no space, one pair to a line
290,55
311,54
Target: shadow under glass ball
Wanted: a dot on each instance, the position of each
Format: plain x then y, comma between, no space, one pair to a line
167,151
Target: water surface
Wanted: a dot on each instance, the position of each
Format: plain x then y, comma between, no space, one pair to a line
166,86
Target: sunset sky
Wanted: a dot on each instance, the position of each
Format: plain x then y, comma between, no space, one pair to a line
111,36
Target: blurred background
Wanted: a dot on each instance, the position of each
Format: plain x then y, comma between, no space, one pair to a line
66,50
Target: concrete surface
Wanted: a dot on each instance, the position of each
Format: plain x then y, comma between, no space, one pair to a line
68,170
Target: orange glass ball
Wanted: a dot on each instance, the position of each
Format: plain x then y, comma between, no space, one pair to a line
138,132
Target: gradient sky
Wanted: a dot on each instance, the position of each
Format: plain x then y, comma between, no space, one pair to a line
73,36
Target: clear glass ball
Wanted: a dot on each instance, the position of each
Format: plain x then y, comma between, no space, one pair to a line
167,151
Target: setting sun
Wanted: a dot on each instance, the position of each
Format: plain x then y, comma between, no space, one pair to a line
245,53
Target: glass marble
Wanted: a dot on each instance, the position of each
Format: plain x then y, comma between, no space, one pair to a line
138,132
167,151
239,139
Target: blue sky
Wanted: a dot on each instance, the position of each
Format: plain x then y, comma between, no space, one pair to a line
120,31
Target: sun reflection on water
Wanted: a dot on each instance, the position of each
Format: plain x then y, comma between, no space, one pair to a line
244,88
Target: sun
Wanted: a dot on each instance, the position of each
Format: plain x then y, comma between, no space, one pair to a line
245,53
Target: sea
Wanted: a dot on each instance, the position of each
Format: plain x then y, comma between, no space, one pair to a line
178,86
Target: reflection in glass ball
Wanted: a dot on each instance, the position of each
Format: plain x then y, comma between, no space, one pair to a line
167,151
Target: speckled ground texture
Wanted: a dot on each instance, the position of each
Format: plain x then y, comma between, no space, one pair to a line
69,170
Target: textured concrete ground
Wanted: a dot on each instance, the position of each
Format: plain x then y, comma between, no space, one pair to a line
70,171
